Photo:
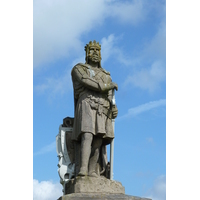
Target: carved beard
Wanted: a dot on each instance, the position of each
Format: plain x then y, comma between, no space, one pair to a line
94,57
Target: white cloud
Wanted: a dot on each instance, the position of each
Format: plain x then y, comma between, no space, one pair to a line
56,86
143,108
110,48
158,191
46,190
46,149
148,78
58,25
107,46
156,48
149,67
129,11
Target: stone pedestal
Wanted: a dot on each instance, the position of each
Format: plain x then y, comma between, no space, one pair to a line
89,184
99,196
86,188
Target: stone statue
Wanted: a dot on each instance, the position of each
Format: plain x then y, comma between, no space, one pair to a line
94,111
81,141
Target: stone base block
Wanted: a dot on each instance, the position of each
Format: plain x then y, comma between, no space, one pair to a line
99,196
89,184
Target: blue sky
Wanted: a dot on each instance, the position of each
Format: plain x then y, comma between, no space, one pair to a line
132,35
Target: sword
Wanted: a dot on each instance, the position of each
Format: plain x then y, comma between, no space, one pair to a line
112,141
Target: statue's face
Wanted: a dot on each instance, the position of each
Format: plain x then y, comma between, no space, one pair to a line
94,54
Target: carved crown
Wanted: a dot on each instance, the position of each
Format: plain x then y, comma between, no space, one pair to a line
92,44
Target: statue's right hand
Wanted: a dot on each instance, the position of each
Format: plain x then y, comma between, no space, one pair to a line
114,86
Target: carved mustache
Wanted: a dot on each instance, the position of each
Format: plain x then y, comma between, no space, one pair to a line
93,55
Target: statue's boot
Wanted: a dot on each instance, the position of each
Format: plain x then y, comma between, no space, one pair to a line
92,166
85,153
94,157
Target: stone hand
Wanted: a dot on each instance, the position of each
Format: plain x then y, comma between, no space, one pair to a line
114,86
114,111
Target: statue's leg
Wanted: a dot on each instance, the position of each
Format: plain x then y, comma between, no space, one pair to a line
96,144
86,141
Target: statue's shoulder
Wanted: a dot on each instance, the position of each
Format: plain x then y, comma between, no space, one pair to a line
78,66
104,71
81,66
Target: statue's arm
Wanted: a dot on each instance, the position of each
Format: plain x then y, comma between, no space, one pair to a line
112,107
81,76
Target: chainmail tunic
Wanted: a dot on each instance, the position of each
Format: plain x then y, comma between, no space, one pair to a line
92,106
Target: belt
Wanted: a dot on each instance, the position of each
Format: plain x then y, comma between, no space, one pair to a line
101,109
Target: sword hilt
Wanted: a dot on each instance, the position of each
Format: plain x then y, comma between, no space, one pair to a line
113,98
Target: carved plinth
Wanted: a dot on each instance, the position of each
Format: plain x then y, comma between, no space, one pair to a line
100,196
93,185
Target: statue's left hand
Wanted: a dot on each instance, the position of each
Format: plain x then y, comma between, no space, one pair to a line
114,111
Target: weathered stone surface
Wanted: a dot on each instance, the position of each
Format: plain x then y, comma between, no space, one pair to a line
89,184
98,196
95,110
